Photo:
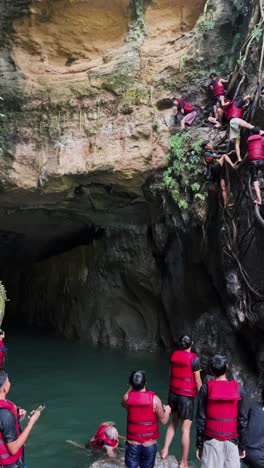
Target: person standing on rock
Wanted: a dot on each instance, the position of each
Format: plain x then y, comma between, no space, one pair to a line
144,412
186,109
3,349
12,439
221,419
185,381
217,87
255,435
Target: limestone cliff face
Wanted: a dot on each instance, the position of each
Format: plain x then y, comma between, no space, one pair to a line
90,245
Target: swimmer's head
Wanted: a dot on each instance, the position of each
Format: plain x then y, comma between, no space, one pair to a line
111,433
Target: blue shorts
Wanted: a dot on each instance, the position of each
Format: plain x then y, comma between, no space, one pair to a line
140,456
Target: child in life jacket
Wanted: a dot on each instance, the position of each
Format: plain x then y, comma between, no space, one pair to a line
105,438
186,109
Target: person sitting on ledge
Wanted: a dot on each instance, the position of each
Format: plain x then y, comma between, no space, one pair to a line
105,438
186,109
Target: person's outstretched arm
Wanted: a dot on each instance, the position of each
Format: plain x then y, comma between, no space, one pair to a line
13,447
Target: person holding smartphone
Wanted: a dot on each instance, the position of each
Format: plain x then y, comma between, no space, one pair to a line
12,439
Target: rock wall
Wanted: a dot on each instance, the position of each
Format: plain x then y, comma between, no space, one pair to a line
90,243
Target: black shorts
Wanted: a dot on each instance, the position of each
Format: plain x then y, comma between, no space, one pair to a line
254,168
217,172
182,405
216,99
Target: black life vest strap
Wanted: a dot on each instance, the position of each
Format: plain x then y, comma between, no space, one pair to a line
233,433
147,434
174,389
222,419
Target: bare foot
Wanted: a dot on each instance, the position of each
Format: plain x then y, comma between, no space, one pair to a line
183,465
258,202
164,453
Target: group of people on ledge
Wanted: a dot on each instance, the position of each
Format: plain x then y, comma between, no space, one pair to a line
226,431
232,111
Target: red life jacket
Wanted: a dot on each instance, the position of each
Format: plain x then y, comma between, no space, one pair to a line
218,89
5,457
142,421
234,111
222,409
182,379
100,438
255,148
187,107
3,350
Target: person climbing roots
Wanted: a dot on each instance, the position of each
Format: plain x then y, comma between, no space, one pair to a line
218,89
216,167
234,110
185,380
255,157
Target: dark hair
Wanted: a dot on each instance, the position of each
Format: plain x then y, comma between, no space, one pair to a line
1,331
213,75
255,131
185,341
3,377
204,144
175,98
218,364
138,380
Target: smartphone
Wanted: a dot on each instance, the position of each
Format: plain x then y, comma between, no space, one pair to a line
41,407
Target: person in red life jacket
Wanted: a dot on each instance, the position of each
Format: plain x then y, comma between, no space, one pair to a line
187,110
218,89
3,349
144,412
221,419
255,157
105,438
255,435
12,439
233,110
185,380
215,162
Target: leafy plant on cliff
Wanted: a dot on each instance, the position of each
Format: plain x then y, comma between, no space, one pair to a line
183,178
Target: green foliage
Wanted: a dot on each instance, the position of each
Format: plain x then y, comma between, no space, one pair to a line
208,24
257,32
182,61
183,177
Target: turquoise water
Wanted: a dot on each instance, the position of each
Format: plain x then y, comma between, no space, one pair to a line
81,387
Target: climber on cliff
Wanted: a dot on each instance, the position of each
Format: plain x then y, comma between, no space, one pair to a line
221,419
3,349
185,380
255,157
186,109
233,110
218,89
216,166
144,412
105,438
